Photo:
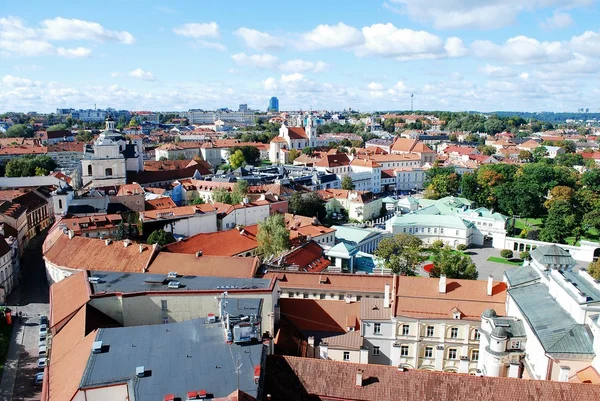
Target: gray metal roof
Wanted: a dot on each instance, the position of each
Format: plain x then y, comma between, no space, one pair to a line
575,280
243,306
178,357
138,282
552,255
557,331
512,327
521,275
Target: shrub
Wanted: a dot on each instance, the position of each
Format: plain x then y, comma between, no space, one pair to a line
524,255
506,253
437,244
594,270
461,247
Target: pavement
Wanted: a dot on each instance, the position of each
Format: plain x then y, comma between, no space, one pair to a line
30,298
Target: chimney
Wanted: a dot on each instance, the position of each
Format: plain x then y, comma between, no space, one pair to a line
126,243
442,284
107,241
359,377
563,374
490,285
71,234
198,254
141,248
386,296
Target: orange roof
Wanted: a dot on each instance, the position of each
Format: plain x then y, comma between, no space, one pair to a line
67,297
88,223
333,282
94,254
334,160
297,133
410,145
395,157
226,208
356,196
23,150
209,266
320,315
278,139
220,243
130,189
160,165
308,257
586,375
365,163
530,144
160,203
461,150
181,211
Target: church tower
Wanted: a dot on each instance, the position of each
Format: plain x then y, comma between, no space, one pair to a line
311,131
110,123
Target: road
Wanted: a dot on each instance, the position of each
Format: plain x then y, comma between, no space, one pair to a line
31,298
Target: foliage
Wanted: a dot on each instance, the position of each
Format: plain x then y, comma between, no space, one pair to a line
160,237
506,253
443,185
592,219
347,183
402,253
307,204
240,190
273,237
56,127
251,154
453,265
293,154
221,195
19,130
560,193
237,159
486,150
594,269
525,156
437,244
591,179
197,201
533,234
560,223
569,159
461,247
84,136
29,166
539,153
524,255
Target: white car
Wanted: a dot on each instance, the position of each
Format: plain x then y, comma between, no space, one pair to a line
42,363
39,378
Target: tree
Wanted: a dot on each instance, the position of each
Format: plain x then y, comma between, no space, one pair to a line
56,127
559,224
486,150
506,253
461,247
525,156
307,151
240,190
539,153
594,269
560,193
453,265
273,237
197,201
293,154
29,166
160,237
84,136
442,185
524,255
453,138
591,179
437,244
402,253
237,159
220,194
307,204
592,219
347,183
19,130
251,154
569,159
121,231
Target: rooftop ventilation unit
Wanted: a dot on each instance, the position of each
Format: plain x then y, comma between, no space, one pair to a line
173,284
94,280
140,371
172,275
96,347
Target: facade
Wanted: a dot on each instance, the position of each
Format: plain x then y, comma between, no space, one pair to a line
183,220
7,270
292,138
273,105
66,154
359,205
245,214
15,216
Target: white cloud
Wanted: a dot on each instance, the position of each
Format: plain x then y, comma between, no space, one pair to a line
587,43
303,66
386,40
497,71
75,29
13,81
115,74
13,28
198,30
375,86
295,77
27,47
270,84
522,50
141,74
256,60
455,48
77,52
258,40
558,20
330,37
210,45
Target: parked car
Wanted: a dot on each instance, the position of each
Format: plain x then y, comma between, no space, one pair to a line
42,363
44,320
43,337
39,378
43,329
42,342
42,351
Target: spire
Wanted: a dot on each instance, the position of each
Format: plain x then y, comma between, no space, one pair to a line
110,123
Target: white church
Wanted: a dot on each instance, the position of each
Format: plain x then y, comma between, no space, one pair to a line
107,161
298,137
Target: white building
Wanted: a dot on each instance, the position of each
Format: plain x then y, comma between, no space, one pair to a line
292,138
184,220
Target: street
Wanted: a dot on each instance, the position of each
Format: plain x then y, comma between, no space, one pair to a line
30,298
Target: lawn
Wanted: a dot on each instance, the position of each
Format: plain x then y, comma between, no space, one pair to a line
265,163
522,223
5,337
512,262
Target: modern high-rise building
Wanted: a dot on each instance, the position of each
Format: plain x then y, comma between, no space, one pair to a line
243,107
273,104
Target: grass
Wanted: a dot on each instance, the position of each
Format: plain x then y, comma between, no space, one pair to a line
511,262
265,163
5,337
528,222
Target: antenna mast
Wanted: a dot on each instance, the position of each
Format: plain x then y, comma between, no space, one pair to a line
411,102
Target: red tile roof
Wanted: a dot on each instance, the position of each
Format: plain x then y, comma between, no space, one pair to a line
210,266
66,147
297,133
410,145
308,257
331,281
12,210
220,243
67,297
181,211
88,223
160,203
320,315
130,189
334,160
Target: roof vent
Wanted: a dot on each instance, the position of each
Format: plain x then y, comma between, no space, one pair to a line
140,371
198,254
172,275
196,395
96,347
107,242
174,284
94,280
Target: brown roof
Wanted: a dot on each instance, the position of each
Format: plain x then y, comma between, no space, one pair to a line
320,315
297,133
181,211
410,145
586,375
221,243
350,340
68,296
12,210
161,165
160,203
331,282
334,160
356,196
365,163
209,266
130,189
372,309
89,223
23,150
66,147
294,379
279,139
308,257
163,171
93,254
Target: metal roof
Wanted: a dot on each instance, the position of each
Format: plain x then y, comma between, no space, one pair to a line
512,327
556,330
178,357
577,282
354,234
521,275
552,255
243,306
444,221
140,282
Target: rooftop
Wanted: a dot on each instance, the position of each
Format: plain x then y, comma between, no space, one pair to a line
331,316
331,282
354,235
221,243
522,275
176,212
178,357
413,219
552,255
216,266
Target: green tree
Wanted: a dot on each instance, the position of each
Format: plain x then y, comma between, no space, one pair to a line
220,194
273,237
453,265
240,190
251,154
453,138
525,156
19,130
569,159
160,237
402,253
347,183
442,185
197,201
41,172
293,154
121,231
594,269
592,219
237,159
29,166
307,204
591,179
56,127
539,153
486,150
524,255
559,224
506,253
84,136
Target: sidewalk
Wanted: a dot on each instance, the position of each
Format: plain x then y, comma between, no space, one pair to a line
9,375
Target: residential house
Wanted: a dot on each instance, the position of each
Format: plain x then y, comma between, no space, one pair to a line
408,145
95,226
358,205
183,220
66,154
303,229
245,214
8,277
15,216
234,242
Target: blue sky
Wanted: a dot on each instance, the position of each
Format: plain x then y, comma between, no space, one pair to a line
530,55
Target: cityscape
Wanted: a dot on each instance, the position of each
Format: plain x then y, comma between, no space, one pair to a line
382,201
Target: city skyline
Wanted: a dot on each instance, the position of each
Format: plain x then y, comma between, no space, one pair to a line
493,56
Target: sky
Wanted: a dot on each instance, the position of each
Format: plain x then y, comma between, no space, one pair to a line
485,55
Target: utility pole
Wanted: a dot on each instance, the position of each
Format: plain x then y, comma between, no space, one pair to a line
411,102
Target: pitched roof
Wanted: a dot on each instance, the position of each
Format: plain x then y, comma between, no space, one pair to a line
331,282
68,296
130,189
211,266
181,211
320,315
552,255
356,196
410,145
103,221
586,375
461,150
12,210
308,257
295,379
164,202
334,160
221,243
66,147
297,133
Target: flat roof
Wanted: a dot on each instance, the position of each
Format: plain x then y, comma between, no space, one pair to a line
177,358
592,294
111,282
521,275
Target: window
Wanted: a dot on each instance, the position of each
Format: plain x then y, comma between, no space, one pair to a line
404,350
163,304
429,331
477,334
452,353
454,332
341,297
456,232
60,203
305,295
435,230
321,296
346,356
428,352
376,351
405,329
515,344
428,230
165,320
291,294
441,230
377,328
108,172
89,169
475,355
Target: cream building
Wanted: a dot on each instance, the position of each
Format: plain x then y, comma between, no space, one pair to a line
292,138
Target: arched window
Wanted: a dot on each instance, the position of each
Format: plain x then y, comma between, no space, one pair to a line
108,172
60,203
89,169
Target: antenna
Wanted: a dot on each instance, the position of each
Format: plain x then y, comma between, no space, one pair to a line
411,102
238,369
